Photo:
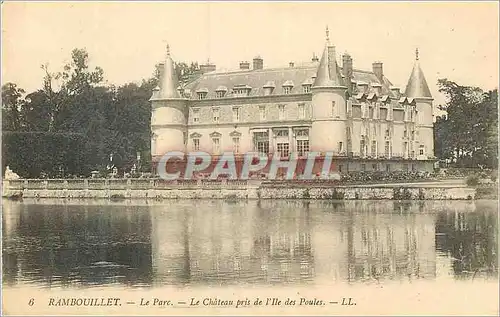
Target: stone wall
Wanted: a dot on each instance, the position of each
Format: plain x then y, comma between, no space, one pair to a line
154,189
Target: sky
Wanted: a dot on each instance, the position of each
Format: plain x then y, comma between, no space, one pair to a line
458,41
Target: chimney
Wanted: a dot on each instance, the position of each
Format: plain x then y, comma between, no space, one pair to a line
244,65
378,70
258,63
291,64
208,67
315,58
347,71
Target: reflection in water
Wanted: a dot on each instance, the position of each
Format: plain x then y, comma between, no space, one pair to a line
266,242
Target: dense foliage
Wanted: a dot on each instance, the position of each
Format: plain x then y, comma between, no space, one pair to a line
467,135
74,129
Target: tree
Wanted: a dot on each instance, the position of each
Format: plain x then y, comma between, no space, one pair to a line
465,134
11,105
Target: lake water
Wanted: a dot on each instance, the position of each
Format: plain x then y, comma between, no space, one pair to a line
55,246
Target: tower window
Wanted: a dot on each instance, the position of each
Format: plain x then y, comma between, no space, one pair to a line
374,148
421,150
333,109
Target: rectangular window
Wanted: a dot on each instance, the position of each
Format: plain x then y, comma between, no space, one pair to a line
387,133
405,149
216,114
341,147
374,148
421,150
340,168
283,149
216,145
362,146
236,145
302,111
196,115
196,144
236,114
387,149
262,113
281,112
413,135
302,147
333,109
261,142
282,133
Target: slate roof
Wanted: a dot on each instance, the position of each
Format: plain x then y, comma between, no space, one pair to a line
417,85
257,79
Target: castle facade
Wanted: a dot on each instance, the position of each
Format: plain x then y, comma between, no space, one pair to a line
321,106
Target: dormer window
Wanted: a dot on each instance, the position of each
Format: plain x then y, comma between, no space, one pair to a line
220,92
287,87
241,90
202,93
307,89
269,88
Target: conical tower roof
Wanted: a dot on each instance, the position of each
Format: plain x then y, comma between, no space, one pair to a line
417,85
169,81
328,74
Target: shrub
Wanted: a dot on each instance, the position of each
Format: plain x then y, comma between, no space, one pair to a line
401,193
306,194
117,197
472,180
494,177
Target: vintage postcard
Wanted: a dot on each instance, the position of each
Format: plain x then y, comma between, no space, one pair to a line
250,158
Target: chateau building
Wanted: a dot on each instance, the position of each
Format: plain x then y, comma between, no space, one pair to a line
359,115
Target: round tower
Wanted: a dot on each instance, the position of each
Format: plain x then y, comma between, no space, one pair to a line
169,113
328,131
418,89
